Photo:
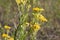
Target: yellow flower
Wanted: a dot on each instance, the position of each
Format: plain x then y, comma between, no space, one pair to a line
7,27
42,18
5,35
11,38
38,9
36,27
18,2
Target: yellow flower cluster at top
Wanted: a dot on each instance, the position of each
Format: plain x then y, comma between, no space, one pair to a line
21,1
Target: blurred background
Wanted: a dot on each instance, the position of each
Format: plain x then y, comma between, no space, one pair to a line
49,31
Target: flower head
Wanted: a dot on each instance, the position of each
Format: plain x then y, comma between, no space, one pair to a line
42,18
5,35
38,9
36,27
7,27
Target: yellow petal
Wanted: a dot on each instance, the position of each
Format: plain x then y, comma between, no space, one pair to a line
7,27
5,35
18,2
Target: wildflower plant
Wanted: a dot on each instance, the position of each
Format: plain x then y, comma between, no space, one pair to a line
30,21
30,18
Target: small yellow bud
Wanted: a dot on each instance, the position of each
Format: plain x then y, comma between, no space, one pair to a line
7,27
5,35
42,18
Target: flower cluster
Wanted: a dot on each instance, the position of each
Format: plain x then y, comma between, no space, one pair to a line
5,35
7,27
21,1
36,27
40,17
